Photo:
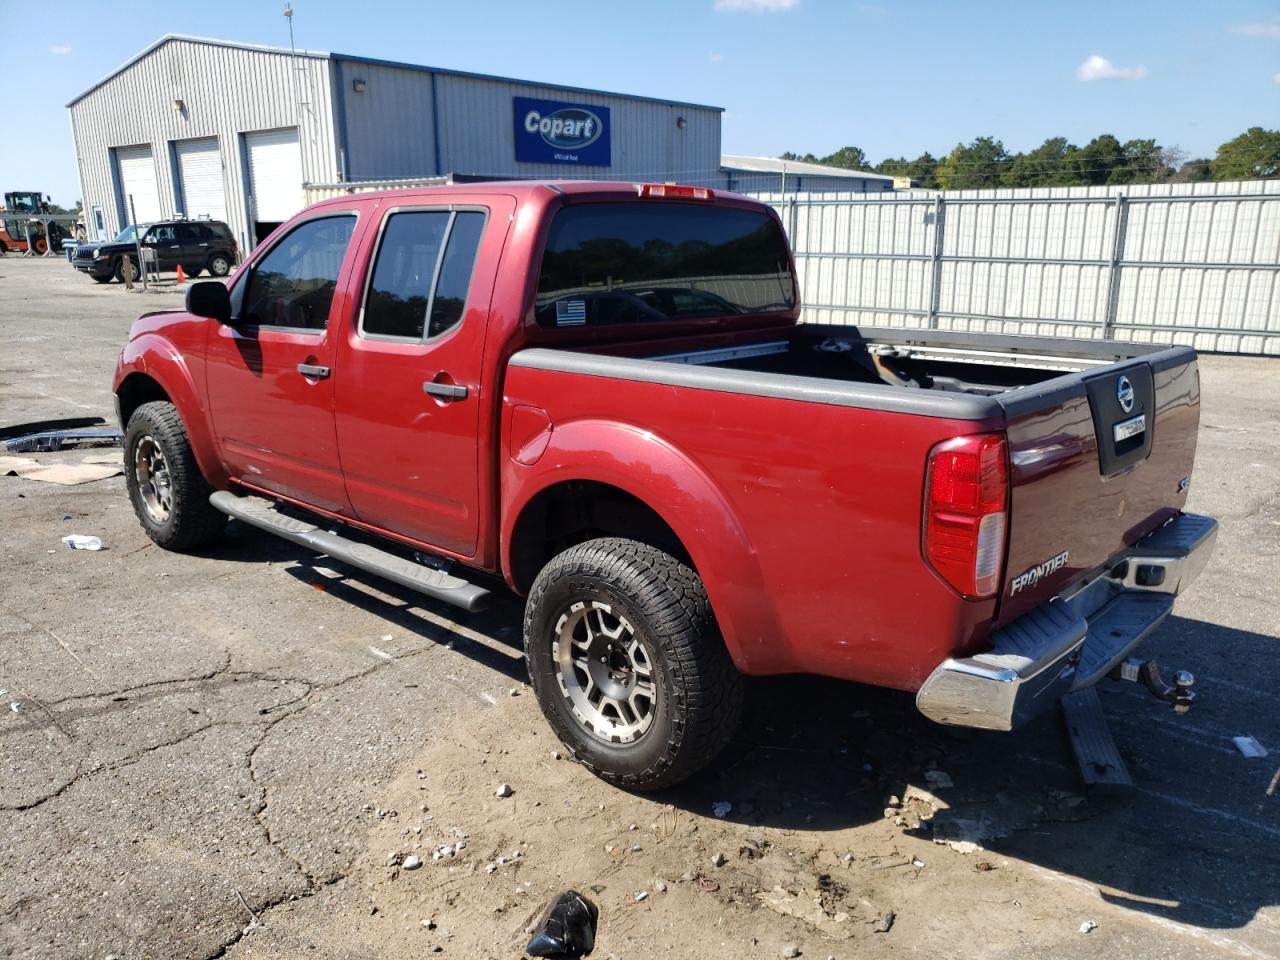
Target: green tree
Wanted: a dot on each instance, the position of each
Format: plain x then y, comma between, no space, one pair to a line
851,158
1041,167
975,166
1254,155
923,169
1193,171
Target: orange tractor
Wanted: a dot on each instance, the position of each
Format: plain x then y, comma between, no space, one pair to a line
18,232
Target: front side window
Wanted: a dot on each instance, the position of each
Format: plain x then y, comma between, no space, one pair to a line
618,263
159,235
293,285
422,272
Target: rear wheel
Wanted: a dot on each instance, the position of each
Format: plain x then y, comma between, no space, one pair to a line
168,491
219,265
628,664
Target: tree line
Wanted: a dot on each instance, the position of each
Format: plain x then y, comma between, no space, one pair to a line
984,163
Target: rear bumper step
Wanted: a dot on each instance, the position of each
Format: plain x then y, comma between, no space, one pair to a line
433,583
1075,640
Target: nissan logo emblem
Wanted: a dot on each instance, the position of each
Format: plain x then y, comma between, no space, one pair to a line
1124,393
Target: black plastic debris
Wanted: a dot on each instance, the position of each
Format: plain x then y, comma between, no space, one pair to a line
53,440
567,927
41,426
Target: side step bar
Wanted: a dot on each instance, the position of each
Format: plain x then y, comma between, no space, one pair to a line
434,583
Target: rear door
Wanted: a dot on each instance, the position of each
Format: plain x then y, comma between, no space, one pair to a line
1097,459
270,374
409,391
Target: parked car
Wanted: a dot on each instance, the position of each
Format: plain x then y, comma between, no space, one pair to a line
197,245
601,394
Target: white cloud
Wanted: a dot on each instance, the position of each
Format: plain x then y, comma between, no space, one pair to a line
1100,68
1270,29
60,49
715,57
754,6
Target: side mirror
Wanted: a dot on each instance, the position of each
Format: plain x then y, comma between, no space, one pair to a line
209,298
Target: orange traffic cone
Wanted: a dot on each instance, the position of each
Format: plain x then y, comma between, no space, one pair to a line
182,277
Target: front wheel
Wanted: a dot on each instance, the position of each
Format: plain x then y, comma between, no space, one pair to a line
169,493
628,664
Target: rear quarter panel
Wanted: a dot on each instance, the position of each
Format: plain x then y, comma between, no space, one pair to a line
802,518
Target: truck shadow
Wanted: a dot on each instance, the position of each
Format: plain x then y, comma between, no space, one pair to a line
1197,840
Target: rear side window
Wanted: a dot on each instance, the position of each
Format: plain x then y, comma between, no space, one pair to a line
616,263
421,274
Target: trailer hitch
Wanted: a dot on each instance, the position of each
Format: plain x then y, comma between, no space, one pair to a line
1147,672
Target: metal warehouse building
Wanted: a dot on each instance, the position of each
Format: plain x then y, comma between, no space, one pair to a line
235,132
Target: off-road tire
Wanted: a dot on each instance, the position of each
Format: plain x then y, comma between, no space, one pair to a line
699,691
124,263
191,522
219,265
107,279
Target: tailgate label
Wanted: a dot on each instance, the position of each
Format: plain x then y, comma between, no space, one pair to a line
1033,576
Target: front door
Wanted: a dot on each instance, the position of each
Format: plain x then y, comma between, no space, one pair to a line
270,372
409,394
164,241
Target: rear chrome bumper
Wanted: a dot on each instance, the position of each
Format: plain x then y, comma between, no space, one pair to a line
1074,640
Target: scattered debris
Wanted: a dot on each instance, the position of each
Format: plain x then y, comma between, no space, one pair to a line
66,474
80,541
642,896
411,863
49,441
721,808
719,860
984,866
660,886
938,779
884,922
791,950
504,790
917,862
1088,926
567,927
40,426
1250,747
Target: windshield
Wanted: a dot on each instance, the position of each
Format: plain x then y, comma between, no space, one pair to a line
128,233
612,263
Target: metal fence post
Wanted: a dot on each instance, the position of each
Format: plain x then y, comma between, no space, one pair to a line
935,261
1121,224
791,223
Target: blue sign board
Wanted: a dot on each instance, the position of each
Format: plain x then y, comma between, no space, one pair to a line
548,131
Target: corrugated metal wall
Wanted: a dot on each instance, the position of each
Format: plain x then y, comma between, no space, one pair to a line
391,128
755,184
225,91
1195,264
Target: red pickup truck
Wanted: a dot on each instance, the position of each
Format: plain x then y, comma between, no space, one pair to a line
601,393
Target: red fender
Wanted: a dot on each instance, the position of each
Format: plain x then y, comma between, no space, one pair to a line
644,465
159,359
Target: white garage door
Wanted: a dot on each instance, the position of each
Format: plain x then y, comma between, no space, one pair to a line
138,180
200,169
275,174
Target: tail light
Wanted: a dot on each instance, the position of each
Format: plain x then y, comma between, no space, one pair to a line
966,512
673,191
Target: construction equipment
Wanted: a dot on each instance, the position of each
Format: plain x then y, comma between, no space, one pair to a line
30,227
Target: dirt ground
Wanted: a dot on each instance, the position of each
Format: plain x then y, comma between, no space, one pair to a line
231,754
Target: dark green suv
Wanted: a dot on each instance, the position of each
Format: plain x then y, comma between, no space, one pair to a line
195,244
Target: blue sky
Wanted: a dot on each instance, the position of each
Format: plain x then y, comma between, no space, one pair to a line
804,75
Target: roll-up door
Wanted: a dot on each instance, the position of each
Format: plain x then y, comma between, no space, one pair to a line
137,169
275,178
200,170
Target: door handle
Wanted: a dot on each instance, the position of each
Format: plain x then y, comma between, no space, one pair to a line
313,370
450,391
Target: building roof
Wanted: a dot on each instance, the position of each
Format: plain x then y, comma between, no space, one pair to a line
352,58
794,167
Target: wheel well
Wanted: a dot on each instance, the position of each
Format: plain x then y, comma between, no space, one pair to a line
135,390
579,510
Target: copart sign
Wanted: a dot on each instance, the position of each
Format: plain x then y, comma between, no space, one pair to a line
548,131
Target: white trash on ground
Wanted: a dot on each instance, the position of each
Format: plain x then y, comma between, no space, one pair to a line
80,541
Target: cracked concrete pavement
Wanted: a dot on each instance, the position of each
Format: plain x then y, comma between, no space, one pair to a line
214,755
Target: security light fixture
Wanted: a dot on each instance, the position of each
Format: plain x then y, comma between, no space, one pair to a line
358,85
681,123
178,105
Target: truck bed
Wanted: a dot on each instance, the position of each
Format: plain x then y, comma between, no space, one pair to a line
1075,501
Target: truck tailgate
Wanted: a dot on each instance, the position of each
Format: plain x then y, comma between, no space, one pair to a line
1098,459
